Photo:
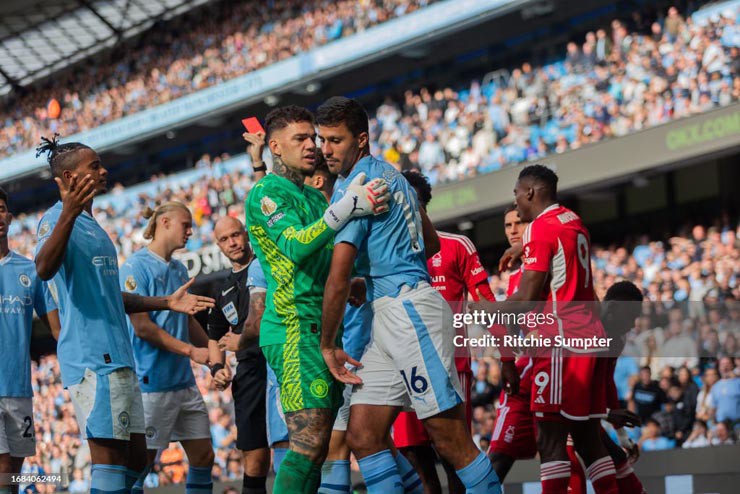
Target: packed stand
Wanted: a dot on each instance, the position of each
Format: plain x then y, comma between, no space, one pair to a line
616,82
609,86
186,55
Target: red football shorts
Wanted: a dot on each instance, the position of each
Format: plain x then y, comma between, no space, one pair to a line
514,433
572,386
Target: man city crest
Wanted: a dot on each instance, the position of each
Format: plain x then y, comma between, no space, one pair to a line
24,280
267,206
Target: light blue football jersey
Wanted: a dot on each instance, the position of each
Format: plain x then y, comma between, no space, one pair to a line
390,246
94,334
148,275
255,275
21,293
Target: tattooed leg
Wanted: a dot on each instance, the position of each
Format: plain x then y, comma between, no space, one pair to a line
309,431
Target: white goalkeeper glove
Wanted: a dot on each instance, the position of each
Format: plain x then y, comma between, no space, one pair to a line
360,199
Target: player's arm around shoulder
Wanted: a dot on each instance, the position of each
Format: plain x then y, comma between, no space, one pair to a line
274,221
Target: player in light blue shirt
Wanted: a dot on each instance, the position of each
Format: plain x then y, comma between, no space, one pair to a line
410,359
174,409
21,293
79,260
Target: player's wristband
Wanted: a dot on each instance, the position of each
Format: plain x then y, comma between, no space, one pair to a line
262,168
338,214
216,368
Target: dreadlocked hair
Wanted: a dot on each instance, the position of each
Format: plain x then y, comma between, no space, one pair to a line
154,214
58,155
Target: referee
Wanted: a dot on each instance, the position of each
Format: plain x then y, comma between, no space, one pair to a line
226,322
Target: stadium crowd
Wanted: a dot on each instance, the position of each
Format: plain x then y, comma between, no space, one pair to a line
636,74
607,86
190,53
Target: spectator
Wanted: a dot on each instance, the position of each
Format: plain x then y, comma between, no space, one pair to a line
722,434
483,393
689,390
172,461
726,393
698,437
647,397
651,440
674,24
681,416
704,404
78,484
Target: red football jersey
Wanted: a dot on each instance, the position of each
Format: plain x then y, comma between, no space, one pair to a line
514,279
558,243
456,270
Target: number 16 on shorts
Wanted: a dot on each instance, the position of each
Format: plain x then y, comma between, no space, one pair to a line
415,383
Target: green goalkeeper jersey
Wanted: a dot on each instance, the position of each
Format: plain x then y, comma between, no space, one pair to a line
294,246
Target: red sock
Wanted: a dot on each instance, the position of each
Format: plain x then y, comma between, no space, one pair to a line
603,476
555,476
577,483
627,481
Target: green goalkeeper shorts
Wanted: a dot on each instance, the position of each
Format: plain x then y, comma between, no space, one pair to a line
304,379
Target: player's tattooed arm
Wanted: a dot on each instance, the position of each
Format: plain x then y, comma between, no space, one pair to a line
280,168
309,431
431,239
251,330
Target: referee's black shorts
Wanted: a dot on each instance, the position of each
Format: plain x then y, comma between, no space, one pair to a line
249,388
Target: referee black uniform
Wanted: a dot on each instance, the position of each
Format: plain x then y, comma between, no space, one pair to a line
250,382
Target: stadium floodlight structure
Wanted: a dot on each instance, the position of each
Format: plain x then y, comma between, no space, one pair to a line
40,37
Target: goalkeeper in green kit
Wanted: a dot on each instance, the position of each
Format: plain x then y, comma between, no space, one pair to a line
292,231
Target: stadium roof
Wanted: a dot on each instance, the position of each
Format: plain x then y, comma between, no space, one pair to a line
39,37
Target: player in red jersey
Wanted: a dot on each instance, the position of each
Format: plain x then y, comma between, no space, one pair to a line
456,271
622,305
513,436
514,433
556,262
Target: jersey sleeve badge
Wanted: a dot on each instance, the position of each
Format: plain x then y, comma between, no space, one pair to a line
267,206
44,229
130,284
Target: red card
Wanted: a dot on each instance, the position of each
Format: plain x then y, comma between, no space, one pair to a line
253,125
